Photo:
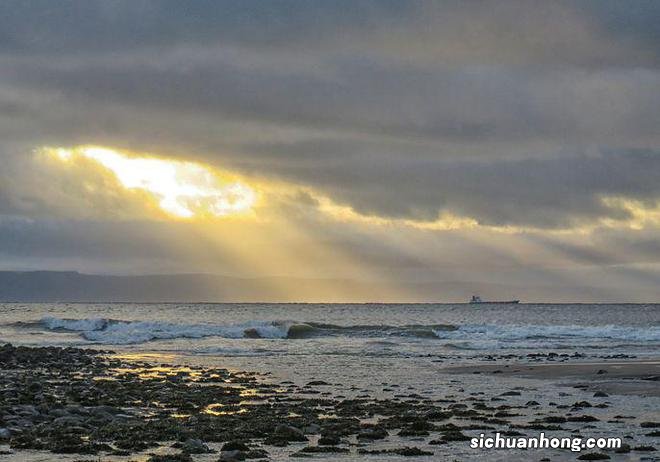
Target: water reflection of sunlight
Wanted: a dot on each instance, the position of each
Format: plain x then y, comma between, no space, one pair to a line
161,371
142,356
222,409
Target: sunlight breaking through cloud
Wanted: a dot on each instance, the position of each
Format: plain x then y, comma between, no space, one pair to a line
183,189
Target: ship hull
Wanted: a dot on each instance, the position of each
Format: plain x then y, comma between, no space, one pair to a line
506,302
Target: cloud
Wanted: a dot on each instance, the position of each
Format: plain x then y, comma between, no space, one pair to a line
586,34
543,193
34,185
471,105
540,117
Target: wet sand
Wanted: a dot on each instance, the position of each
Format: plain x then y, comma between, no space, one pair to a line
639,377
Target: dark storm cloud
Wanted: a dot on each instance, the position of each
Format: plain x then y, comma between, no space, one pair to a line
400,109
555,32
99,26
545,192
458,71
453,105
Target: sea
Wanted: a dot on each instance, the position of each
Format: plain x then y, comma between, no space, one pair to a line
362,349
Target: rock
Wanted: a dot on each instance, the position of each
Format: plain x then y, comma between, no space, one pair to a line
67,421
624,449
405,451
581,404
329,440
256,454
232,456
275,441
235,446
312,429
5,434
133,444
34,387
372,433
583,418
645,448
412,432
103,410
323,450
600,394
181,457
555,419
194,446
73,444
594,456
455,435
438,415
650,425
289,433
26,410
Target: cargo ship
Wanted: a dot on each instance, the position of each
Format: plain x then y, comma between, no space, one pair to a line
476,300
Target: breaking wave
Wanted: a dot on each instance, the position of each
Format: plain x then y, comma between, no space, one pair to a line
483,337
469,336
110,331
78,325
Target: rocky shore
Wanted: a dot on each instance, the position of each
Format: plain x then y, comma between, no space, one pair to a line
90,402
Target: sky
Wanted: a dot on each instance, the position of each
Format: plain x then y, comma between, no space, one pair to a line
510,143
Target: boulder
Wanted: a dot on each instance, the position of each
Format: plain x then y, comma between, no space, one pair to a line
289,433
195,446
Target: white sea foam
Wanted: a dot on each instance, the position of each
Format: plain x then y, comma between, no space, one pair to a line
469,336
125,332
79,325
479,336
129,332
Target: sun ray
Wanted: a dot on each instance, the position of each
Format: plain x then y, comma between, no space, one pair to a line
184,190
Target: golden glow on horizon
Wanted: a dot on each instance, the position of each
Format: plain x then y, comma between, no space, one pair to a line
295,230
445,222
183,189
640,214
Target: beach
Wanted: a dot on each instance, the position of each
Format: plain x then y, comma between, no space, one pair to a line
638,377
239,383
74,401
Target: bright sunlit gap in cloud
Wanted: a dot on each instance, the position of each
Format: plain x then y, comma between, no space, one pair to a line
183,189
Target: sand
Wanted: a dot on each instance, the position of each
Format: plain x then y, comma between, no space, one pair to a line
640,377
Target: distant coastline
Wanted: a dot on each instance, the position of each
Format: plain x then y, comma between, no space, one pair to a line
73,286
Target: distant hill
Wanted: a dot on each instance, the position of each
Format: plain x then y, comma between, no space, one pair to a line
71,286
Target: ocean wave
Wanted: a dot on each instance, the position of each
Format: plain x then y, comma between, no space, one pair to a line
78,325
119,332
469,336
484,337
109,331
